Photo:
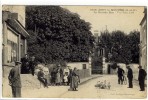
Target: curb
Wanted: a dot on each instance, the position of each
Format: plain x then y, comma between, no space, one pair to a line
89,79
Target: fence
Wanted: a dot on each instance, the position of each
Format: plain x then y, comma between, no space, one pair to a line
83,73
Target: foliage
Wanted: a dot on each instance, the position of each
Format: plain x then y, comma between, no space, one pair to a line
123,47
57,34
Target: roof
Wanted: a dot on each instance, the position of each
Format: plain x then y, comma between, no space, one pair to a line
18,27
145,16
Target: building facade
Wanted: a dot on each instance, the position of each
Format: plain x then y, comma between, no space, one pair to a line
143,41
14,34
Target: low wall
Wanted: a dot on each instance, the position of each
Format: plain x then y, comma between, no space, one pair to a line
78,65
83,67
83,73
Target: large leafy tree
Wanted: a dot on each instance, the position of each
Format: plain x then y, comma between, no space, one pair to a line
134,41
57,34
123,47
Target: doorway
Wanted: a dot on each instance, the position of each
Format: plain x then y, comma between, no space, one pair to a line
108,69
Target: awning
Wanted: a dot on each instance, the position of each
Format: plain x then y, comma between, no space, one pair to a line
18,27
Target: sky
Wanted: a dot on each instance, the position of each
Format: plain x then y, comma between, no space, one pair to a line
110,17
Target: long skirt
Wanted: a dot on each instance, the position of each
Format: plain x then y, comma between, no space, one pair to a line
58,78
74,82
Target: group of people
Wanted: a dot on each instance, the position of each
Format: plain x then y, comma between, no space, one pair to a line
28,65
58,76
141,77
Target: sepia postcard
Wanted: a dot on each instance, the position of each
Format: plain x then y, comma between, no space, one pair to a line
94,52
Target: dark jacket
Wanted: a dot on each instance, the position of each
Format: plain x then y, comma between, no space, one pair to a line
25,62
120,72
40,75
142,74
32,64
25,66
130,73
14,77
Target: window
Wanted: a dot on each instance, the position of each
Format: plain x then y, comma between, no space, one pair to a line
12,51
12,44
84,66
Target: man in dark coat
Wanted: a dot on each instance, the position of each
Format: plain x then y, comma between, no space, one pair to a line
141,78
14,80
120,75
32,65
53,76
25,65
130,76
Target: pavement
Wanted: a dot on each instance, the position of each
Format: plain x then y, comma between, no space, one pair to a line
116,91
52,91
87,89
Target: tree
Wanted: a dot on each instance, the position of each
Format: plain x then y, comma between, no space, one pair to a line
134,41
124,48
58,34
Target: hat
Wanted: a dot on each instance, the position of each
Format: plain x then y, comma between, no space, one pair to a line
75,68
127,66
18,62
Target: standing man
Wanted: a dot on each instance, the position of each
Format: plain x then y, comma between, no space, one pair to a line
130,76
14,80
141,78
32,65
25,65
120,75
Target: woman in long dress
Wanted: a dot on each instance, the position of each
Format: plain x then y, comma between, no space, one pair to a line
75,80
58,77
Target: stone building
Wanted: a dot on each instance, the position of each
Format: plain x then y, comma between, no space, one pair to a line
143,41
14,34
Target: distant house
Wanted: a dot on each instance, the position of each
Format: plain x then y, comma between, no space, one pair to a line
14,34
83,67
143,43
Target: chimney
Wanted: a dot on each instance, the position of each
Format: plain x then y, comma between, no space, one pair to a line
8,15
5,15
14,16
